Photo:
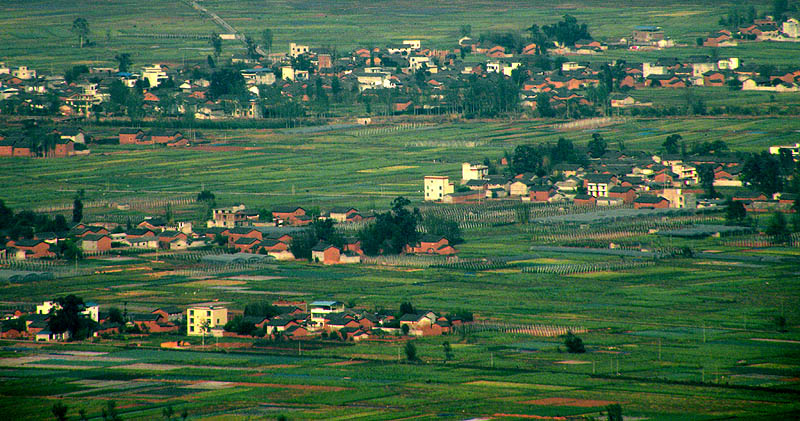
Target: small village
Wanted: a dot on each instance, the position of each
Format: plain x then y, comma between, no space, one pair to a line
217,209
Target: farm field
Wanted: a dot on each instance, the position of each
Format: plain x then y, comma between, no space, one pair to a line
675,326
29,30
365,167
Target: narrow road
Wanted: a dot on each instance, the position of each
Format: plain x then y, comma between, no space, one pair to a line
224,25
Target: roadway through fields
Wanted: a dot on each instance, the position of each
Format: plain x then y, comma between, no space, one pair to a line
222,24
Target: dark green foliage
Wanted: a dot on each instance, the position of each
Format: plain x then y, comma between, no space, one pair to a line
614,412
406,308
574,344
261,310
705,148
597,146
448,351
69,250
411,352
69,318
17,324
567,31
72,75
706,173
123,61
735,211
391,230
526,158
543,106
672,144
778,228
780,323
240,326
318,231
110,412
763,171
227,81
216,44
439,226
80,27
59,411
115,315
489,96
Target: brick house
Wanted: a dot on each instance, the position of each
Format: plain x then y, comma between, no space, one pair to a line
325,253
432,244
287,214
650,202
626,193
32,248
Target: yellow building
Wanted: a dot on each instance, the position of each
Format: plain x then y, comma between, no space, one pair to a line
200,315
436,187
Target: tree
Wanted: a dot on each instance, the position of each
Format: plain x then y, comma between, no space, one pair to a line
82,414
526,158
672,144
227,81
574,344
80,27
266,38
614,412
59,411
735,211
778,229
597,146
118,92
392,230
779,9
411,352
123,61
77,210
216,44
69,317
543,106
448,351
252,52
465,30
435,225
763,171
115,315
406,308
706,173
110,412
168,413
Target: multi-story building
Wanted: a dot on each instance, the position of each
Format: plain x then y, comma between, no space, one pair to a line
200,317
473,172
437,187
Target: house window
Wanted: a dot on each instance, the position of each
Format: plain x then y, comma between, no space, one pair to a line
191,328
208,313
191,312
208,321
191,320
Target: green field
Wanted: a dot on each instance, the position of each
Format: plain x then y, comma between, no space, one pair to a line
37,33
672,338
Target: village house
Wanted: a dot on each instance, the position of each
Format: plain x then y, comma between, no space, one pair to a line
326,254
437,187
432,244
202,318
291,215
650,202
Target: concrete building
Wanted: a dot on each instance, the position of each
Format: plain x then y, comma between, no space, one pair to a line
297,49
199,315
473,172
437,187
154,75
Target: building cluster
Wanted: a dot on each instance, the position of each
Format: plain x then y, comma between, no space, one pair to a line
615,179
298,320
407,68
36,323
294,320
56,143
759,30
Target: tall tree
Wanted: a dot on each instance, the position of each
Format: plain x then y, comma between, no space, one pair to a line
778,228
80,27
124,61
77,210
672,144
69,317
216,44
59,411
266,38
597,146
706,173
